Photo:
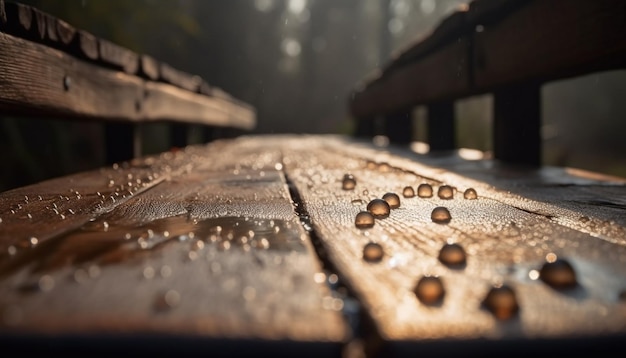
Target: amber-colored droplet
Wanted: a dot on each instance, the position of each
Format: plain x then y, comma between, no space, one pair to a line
445,192
470,194
429,290
379,208
425,190
558,273
373,252
364,220
440,214
392,199
502,302
452,255
408,192
348,182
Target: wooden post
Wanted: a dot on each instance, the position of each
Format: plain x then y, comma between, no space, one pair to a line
441,129
399,128
122,141
517,122
179,133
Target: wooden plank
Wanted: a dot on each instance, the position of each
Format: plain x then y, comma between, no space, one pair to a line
118,56
38,80
179,78
149,67
548,40
507,238
216,255
442,75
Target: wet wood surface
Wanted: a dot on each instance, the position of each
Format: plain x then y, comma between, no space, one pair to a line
131,265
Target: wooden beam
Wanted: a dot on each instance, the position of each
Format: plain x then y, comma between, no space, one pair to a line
441,75
39,80
551,39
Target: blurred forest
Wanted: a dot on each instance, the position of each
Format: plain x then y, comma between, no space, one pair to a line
296,61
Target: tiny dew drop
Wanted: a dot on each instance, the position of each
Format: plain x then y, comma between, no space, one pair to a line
470,194
364,219
429,290
558,273
440,214
452,255
408,192
424,190
502,302
348,182
445,192
392,199
379,208
373,252
167,300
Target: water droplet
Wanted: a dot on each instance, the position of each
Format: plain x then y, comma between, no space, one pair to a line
445,192
440,214
408,192
470,194
348,182
424,190
429,290
364,220
81,275
583,219
533,274
392,199
373,252
148,273
248,293
165,271
558,273
319,277
105,226
354,202
384,167
501,301
379,208
167,300
33,241
45,283
223,245
278,166
333,279
12,250
452,255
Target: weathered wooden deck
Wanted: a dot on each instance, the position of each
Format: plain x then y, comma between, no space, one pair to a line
249,245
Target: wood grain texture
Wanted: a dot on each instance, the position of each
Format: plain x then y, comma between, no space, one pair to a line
508,231
218,232
38,80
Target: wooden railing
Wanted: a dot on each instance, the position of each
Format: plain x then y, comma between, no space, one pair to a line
505,47
50,69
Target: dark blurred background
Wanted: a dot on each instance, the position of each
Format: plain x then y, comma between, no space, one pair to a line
296,61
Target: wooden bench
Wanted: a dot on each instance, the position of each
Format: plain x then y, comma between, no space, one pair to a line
52,70
506,47
250,246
